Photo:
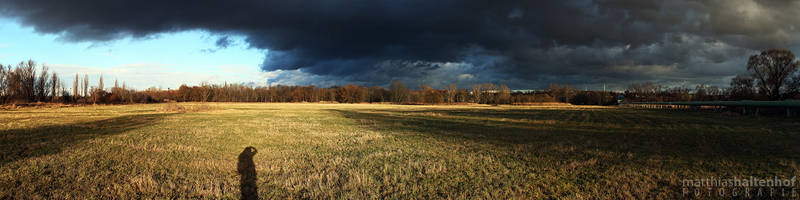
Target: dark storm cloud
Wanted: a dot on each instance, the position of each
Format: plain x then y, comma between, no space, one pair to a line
521,43
224,42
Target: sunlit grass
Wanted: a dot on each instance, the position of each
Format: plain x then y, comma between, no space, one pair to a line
358,151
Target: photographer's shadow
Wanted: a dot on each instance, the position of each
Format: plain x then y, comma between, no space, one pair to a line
247,172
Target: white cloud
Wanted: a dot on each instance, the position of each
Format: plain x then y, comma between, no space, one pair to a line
3,45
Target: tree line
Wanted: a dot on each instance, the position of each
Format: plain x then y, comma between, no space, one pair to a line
772,75
30,82
398,92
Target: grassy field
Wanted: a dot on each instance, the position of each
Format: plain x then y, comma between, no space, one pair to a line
356,151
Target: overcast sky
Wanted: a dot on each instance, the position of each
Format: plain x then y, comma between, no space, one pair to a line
524,44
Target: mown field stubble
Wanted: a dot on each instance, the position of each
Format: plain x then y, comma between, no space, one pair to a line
357,151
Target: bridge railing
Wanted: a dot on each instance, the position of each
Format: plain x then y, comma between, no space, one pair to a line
745,107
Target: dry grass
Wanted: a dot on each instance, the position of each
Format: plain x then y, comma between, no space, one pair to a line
357,151
178,108
33,105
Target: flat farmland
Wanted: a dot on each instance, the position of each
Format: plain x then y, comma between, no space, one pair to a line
357,151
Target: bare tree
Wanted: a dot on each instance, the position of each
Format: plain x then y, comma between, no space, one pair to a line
700,93
399,91
54,87
85,85
205,93
772,69
793,89
646,91
742,87
98,93
376,94
2,83
42,84
450,93
100,83
125,94
64,93
476,91
75,88
25,75
503,95
430,95
489,91
562,93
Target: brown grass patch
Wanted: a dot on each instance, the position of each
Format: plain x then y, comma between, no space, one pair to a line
175,107
543,104
33,105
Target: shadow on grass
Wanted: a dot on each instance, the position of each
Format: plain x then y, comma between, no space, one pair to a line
18,144
592,148
680,136
247,172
